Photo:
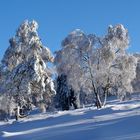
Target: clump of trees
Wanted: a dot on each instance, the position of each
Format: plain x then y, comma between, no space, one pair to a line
87,67
100,65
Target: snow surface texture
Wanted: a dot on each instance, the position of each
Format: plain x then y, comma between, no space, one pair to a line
117,121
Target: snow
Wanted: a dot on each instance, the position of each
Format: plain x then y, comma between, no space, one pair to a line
116,121
24,70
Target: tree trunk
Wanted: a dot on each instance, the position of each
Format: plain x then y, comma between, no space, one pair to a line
17,113
105,98
98,101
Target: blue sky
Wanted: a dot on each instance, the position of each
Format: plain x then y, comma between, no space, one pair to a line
56,18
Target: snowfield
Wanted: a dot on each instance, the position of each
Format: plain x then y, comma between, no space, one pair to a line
116,121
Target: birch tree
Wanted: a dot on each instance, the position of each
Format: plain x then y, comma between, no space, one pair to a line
98,64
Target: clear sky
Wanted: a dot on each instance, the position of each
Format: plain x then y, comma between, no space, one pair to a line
56,18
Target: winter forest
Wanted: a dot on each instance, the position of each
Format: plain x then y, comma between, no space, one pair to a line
86,71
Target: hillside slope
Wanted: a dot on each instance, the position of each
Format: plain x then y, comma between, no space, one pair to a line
117,121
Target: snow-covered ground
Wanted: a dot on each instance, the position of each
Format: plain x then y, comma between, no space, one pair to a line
117,121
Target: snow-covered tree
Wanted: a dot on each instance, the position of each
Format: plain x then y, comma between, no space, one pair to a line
136,81
24,71
65,96
99,65
62,92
